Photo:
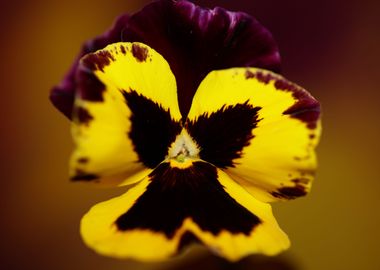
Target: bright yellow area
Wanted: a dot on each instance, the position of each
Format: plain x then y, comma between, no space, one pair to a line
282,148
104,141
151,78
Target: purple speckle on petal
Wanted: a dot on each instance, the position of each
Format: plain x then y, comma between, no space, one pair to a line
83,115
89,86
97,61
139,52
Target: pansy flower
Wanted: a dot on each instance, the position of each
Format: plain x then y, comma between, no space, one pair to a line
183,105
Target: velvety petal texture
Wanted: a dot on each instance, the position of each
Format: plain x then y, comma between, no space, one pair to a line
260,128
185,106
192,39
174,207
248,139
126,114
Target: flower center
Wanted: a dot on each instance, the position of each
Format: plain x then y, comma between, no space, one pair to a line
183,148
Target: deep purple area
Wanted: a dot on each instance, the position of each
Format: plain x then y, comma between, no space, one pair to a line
192,39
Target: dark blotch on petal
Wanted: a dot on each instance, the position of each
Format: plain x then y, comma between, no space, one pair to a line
152,130
83,116
223,134
249,75
176,194
264,78
123,49
140,53
306,109
89,86
290,192
97,61
83,176
83,160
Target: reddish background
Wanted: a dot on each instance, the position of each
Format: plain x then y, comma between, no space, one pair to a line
329,47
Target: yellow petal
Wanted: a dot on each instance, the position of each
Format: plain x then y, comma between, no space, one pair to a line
176,206
260,128
126,114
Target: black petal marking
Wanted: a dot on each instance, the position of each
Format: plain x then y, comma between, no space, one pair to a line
249,74
140,53
123,49
83,160
89,86
83,115
84,176
152,130
290,193
264,78
176,194
223,134
98,60
306,109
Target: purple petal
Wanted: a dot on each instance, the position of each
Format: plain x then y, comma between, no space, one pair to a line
192,39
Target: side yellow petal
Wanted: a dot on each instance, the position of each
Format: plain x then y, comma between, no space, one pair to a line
260,128
126,114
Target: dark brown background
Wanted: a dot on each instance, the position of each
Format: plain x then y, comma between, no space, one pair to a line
329,47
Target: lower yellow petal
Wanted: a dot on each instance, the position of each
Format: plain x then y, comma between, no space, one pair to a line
176,206
99,231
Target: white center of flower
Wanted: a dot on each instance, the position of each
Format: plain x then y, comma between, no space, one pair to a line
183,147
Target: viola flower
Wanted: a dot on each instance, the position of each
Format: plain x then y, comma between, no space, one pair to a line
181,104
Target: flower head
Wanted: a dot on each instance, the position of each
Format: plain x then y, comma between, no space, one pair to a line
205,139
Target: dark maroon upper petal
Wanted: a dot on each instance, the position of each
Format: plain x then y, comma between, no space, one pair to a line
192,39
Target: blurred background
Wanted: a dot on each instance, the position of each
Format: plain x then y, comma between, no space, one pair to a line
329,47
